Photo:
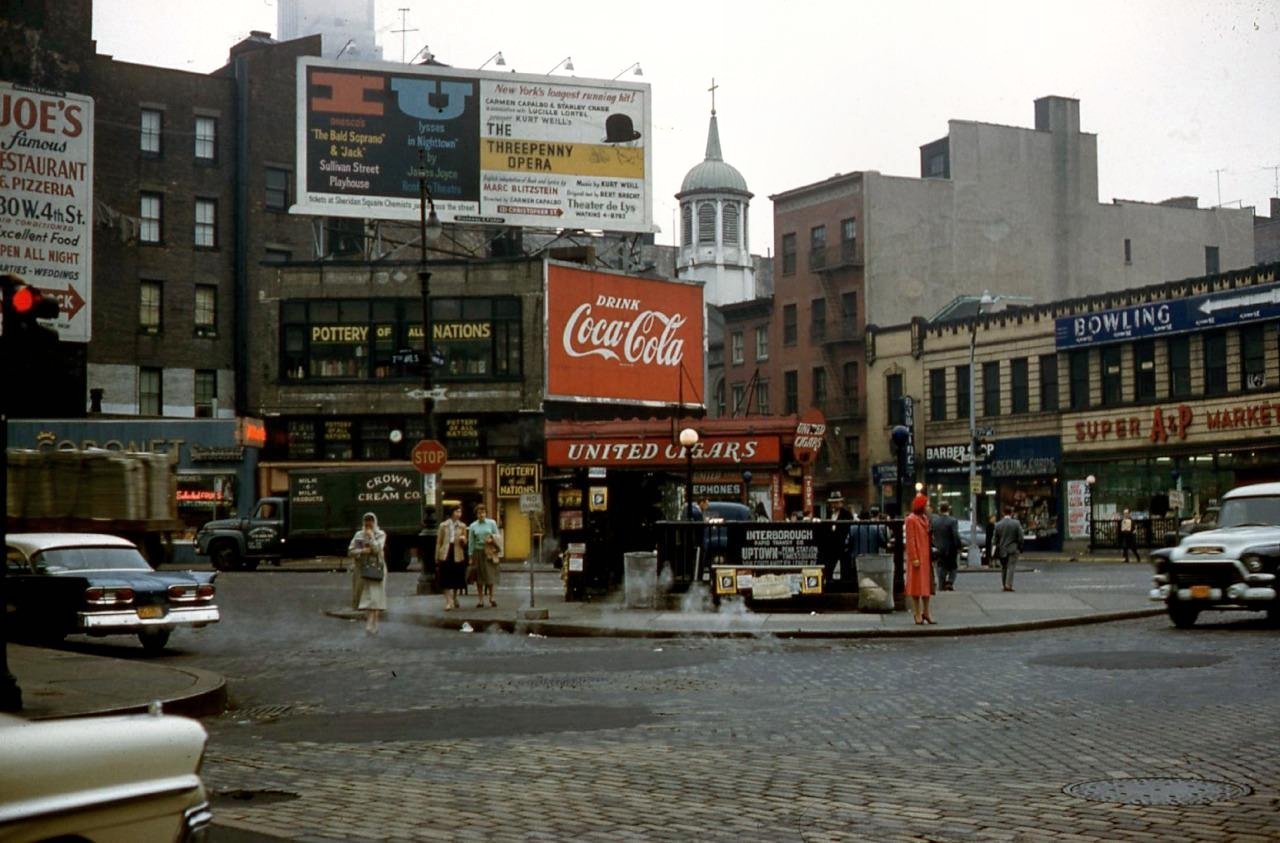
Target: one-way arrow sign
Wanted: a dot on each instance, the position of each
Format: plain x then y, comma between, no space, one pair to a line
1271,296
421,394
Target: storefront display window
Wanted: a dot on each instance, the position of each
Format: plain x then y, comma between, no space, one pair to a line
476,338
204,497
348,339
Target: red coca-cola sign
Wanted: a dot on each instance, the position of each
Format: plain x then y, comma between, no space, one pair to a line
614,337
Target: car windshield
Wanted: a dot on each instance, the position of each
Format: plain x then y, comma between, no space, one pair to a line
92,559
1250,512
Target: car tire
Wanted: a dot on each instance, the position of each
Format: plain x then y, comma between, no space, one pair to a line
224,556
1183,617
153,643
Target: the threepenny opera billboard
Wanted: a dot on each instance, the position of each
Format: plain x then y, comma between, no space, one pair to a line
499,148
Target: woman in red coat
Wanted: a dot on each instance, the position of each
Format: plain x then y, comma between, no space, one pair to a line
918,563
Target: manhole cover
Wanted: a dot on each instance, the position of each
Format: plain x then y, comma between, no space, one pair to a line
1127,660
1158,791
229,798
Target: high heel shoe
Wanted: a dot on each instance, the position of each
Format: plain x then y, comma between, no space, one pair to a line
928,619
919,621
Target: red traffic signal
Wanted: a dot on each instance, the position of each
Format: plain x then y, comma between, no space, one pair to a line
23,305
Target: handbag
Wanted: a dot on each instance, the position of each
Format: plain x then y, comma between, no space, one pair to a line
471,573
370,570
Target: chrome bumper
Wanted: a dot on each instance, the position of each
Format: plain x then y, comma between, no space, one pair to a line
128,620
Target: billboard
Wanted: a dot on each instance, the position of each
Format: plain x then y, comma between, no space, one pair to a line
46,199
498,148
614,337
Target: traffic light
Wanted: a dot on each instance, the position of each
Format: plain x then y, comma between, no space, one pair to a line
23,306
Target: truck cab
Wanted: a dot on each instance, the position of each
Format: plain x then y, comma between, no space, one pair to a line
241,543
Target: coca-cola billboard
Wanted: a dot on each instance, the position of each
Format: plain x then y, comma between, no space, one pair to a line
613,337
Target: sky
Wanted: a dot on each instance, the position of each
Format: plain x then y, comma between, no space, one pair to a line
1184,95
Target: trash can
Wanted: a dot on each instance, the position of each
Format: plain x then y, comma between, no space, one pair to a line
875,583
640,579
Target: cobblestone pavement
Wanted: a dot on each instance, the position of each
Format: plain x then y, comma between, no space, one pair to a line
423,734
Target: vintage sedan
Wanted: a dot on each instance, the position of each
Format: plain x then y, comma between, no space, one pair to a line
61,584
117,779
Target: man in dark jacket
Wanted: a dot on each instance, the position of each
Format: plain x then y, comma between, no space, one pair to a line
946,545
1008,545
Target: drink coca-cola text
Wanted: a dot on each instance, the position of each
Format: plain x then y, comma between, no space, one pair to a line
648,337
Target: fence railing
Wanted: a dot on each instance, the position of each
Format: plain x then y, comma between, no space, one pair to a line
1149,532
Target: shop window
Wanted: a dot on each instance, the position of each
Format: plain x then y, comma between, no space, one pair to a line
819,386
762,343
338,439
301,439
1112,389
1019,388
1253,361
735,348
1215,363
991,388
818,320
1144,370
962,392
937,395
789,324
1048,383
789,254
790,392
893,397
762,397
476,339
204,497
1079,364
1180,366
375,439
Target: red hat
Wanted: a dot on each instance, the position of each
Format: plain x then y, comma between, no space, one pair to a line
919,503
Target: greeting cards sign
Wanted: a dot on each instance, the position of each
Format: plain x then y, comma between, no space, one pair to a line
495,148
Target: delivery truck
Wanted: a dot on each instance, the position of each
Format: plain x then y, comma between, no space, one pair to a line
318,517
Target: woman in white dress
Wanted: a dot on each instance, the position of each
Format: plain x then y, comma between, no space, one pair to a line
368,545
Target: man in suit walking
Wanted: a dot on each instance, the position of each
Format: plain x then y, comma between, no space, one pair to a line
946,544
1008,546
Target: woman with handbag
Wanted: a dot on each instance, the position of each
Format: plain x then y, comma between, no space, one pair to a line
484,542
367,553
451,558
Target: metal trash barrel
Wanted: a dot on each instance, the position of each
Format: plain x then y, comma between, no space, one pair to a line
875,583
640,579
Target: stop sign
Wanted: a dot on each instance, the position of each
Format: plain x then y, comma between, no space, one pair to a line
429,456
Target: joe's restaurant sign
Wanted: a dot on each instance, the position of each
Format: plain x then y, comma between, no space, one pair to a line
1173,425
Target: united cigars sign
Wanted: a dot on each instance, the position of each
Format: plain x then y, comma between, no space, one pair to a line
497,148
614,337
662,452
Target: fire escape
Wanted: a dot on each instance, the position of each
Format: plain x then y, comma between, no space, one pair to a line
838,335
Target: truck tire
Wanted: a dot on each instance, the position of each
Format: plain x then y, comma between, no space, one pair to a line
1183,617
224,556
153,643
249,564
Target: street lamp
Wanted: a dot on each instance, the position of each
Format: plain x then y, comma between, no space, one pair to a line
973,433
636,65
566,62
429,229
496,58
688,438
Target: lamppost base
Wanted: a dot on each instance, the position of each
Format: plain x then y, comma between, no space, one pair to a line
534,614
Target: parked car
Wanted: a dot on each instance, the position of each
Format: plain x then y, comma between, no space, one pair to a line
61,584
107,779
966,527
1206,520
1233,566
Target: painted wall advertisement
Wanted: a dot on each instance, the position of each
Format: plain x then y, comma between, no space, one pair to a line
46,199
614,337
497,148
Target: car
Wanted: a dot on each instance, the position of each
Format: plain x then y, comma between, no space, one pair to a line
1206,520
61,584
965,526
112,779
1233,566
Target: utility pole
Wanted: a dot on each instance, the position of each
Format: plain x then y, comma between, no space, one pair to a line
1218,172
404,31
973,433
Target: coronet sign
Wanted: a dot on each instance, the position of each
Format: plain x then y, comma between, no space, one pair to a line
642,453
613,337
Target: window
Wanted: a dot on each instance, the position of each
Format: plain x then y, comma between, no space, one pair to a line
1111,376
1210,260
762,343
206,138
1048,382
1128,251
729,223
1144,370
152,123
991,388
277,256
1215,363
937,395
1179,367
206,233
150,399
477,338
150,307
720,405
962,392
819,386
848,314
789,329
818,320
1079,363
151,212
893,396
206,310
818,247
851,382
1253,361
853,452
277,195
706,222
1019,386
762,397
206,389
735,346
739,398
789,254
848,239
686,224
791,392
